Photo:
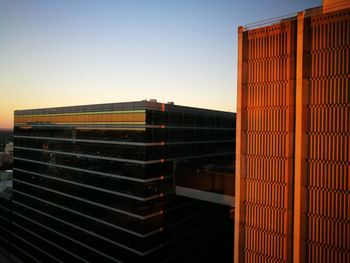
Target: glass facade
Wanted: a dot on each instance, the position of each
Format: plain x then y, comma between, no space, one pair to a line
97,183
5,210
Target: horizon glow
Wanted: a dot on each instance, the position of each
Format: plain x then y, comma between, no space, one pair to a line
61,53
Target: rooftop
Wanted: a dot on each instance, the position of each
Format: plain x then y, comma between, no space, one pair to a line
135,105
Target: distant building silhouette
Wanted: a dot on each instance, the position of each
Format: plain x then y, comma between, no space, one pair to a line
293,138
8,153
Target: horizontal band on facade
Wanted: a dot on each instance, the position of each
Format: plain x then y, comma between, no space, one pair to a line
24,252
90,217
93,203
322,106
266,257
81,123
89,128
267,157
79,113
329,161
4,240
93,187
259,83
338,76
329,217
39,249
125,160
329,133
44,239
4,208
266,108
7,220
82,155
265,206
62,235
328,190
4,229
88,232
267,181
123,126
149,180
262,229
120,142
321,245
103,118
266,132
85,125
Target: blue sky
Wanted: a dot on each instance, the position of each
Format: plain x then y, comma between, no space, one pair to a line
56,53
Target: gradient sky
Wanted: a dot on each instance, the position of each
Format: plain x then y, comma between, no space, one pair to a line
58,53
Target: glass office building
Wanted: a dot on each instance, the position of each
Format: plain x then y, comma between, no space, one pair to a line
97,183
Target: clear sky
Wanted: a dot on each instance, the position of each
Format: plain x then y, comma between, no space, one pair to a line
58,53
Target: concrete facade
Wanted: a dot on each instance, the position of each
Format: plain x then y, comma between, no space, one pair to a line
293,140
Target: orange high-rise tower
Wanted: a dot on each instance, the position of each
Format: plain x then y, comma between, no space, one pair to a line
293,138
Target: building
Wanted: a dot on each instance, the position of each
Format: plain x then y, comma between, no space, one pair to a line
5,208
8,153
98,182
293,138
1,158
